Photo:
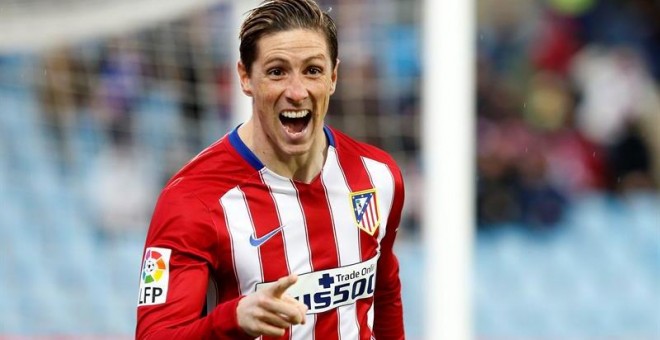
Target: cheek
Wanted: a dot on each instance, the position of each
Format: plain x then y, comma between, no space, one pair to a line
269,93
268,96
323,94
322,91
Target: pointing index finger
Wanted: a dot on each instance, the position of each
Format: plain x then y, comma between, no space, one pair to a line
283,284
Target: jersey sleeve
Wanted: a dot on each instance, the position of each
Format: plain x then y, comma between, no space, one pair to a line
181,226
388,309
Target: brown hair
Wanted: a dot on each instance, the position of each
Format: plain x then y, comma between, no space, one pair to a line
282,15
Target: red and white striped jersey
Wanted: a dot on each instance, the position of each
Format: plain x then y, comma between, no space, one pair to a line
226,226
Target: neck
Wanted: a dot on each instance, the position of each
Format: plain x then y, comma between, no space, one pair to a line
301,167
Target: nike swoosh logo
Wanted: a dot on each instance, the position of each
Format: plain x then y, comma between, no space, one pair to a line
257,242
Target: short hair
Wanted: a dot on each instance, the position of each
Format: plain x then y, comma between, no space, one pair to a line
274,16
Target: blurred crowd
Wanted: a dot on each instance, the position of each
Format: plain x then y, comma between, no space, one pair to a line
568,104
126,112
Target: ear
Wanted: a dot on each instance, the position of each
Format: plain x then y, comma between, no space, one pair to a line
244,77
333,77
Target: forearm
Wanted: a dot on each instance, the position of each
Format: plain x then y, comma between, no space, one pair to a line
221,323
388,309
388,316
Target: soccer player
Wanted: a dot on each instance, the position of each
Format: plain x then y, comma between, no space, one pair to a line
284,227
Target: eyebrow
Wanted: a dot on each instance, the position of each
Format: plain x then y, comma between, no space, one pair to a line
308,59
318,56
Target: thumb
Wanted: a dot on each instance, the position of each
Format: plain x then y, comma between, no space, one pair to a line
283,284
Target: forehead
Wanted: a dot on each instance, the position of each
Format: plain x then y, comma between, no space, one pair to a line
296,43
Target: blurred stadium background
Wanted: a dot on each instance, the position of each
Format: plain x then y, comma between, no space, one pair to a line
568,154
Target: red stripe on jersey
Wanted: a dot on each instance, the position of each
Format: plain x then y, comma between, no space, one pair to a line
228,288
323,245
320,226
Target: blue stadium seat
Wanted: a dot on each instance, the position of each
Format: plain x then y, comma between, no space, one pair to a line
596,276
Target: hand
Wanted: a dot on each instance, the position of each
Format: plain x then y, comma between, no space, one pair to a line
270,311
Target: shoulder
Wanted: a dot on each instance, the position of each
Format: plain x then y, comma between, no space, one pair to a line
349,147
213,172
187,208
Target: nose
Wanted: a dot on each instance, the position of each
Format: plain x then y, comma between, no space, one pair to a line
296,91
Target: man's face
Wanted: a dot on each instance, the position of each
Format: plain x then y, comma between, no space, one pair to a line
291,81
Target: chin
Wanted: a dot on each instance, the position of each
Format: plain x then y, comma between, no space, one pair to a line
295,149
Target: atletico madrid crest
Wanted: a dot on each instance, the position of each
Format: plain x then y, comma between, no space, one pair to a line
365,210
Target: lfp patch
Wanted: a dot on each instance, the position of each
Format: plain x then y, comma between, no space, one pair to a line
155,276
365,210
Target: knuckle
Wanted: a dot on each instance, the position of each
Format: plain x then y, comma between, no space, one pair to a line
261,300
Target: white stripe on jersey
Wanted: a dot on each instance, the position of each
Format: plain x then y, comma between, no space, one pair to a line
382,178
347,234
370,318
239,224
296,242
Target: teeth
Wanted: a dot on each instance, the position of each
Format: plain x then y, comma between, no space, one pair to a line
295,114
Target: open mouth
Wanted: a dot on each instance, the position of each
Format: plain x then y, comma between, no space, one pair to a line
295,122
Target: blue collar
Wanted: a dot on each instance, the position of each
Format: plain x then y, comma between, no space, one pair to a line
251,158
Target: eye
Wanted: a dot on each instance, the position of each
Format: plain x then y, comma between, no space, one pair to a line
314,70
275,71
